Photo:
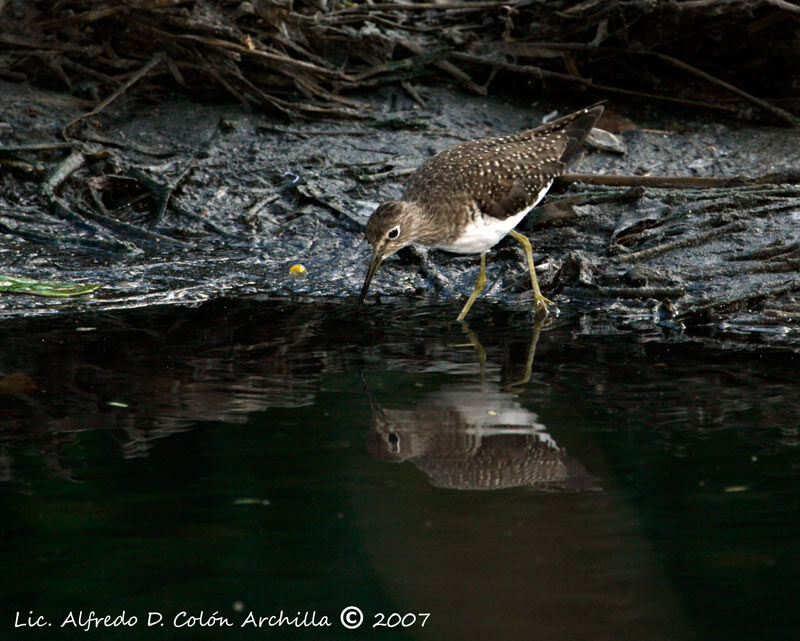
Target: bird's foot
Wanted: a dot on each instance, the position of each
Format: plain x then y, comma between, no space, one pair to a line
543,306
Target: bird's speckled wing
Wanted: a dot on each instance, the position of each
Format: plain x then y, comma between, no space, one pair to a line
499,176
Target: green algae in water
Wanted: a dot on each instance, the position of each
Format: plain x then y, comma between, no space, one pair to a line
14,285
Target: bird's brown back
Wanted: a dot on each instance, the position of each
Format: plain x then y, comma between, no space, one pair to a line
502,175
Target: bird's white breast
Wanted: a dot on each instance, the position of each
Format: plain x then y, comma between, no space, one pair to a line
484,232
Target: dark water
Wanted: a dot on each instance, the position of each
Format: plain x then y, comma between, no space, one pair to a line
261,457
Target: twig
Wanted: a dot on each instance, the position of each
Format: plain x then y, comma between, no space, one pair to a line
562,208
305,83
156,59
418,61
22,166
36,146
168,191
386,175
530,70
680,182
290,109
126,229
686,241
772,267
221,80
642,292
70,64
577,46
256,207
218,43
413,93
703,312
310,191
60,173
446,66
763,104
655,96
727,4
428,268
542,73
763,253
100,244
425,6
47,190
147,150
162,194
88,16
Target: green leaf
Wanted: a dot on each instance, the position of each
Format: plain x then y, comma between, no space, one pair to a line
14,285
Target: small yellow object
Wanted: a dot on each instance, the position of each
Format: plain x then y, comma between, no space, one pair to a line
296,270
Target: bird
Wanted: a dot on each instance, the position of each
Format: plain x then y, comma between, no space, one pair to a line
475,436
467,198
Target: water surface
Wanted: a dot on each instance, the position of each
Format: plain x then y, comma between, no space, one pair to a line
267,456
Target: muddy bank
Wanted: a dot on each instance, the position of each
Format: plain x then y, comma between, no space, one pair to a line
180,202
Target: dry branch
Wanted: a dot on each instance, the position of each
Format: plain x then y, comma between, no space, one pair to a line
685,241
47,192
157,58
299,57
763,104
680,182
704,312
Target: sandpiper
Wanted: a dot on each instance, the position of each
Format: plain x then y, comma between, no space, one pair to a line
467,198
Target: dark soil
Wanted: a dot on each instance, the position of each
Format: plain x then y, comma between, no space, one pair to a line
254,195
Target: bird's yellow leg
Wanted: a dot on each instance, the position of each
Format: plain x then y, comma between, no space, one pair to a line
479,349
537,328
479,284
541,301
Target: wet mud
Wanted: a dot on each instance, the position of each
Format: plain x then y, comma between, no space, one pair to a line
177,202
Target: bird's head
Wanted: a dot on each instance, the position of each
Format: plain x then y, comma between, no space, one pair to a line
391,227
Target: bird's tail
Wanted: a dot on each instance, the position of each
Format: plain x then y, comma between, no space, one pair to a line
577,126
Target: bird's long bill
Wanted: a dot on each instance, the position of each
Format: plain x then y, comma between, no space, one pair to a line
377,259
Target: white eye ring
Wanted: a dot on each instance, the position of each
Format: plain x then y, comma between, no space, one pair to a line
393,233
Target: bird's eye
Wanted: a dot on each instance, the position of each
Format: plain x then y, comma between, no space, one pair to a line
393,233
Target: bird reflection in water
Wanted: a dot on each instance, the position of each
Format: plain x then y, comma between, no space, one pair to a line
477,436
